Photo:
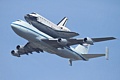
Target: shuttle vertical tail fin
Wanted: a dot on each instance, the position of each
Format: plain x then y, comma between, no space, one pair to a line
63,22
82,49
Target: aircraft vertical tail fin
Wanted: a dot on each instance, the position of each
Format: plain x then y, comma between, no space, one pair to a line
82,49
63,22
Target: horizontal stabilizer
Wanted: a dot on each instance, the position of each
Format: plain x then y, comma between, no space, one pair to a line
88,56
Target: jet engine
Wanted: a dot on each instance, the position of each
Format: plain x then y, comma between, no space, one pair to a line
15,53
19,47
62,41
88,40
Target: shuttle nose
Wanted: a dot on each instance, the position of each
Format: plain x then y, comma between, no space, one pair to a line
26,16
29,18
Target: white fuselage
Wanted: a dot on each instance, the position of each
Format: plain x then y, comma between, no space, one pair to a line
33,35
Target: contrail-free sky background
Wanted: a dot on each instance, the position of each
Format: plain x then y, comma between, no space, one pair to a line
90,18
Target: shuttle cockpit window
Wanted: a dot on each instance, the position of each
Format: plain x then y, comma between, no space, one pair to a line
33,13
18,20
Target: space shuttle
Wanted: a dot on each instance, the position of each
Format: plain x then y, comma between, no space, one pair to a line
55,30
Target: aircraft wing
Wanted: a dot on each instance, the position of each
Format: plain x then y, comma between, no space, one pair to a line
28,48
102,39
58,43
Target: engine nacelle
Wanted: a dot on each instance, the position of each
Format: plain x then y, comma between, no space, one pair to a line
62,41
15,53
19,47
88,40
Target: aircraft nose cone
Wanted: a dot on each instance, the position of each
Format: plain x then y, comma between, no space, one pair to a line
14,27
17,28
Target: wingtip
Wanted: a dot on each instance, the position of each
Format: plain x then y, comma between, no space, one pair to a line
77,34
114,38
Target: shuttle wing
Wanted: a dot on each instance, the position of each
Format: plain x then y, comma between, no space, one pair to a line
65,34
28,48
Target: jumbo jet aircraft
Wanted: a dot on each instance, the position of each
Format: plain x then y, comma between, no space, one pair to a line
39,41
56,31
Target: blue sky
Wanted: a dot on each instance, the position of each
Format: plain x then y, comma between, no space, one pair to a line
93,18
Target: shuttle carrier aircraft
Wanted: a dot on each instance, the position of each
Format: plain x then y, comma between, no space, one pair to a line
39,41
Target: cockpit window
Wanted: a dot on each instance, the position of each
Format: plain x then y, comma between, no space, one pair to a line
33,13
18,20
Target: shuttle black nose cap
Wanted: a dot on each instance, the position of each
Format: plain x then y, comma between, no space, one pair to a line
27,18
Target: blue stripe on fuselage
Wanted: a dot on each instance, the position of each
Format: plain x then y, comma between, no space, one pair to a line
31,30
76,53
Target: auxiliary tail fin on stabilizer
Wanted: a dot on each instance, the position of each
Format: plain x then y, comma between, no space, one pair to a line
107,53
